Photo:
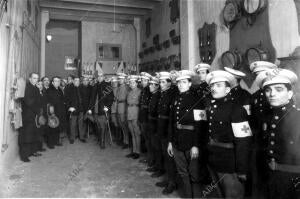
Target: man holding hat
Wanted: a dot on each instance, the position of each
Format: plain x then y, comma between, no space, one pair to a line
143,114
121,108
230,137
281,130
188,129
166,98
133,99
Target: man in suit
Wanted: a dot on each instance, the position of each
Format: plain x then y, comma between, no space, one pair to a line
31,105
101,100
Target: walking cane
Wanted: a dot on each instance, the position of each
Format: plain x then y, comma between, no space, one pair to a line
107,121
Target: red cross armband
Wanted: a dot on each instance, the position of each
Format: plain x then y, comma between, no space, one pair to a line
241,129
199,115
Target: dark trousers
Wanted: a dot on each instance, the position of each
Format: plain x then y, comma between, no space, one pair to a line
52,136
169,163
158,153
150,148
282,186
101,122
25,150
188,169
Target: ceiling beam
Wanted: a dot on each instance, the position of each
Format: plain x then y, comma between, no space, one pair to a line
146,4
94,8
70,17
84,14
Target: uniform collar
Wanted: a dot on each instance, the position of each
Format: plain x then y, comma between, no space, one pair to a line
284,108
220,100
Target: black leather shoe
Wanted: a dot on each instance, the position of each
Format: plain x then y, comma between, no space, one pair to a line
25,160
51,147
36,154
71,141
161,184
169,189
59,144
143,161
83,140
135,156
42,150
157,174
125,146
152,169
129,155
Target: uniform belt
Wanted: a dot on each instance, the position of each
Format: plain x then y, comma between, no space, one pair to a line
144,106
163,117
212,142
133,105
121,101
185,127
152,118
274,166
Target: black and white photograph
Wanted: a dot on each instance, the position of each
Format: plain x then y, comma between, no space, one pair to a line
150,99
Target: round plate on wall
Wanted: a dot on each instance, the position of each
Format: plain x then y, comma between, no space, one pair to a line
231,11
256,54
231,59
252,7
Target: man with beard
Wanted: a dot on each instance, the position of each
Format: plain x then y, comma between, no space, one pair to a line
30,109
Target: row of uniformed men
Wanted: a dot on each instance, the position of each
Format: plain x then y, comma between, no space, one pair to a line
212,128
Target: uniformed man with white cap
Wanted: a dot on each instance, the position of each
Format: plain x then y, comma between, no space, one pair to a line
188,129
259,107
202,90
152,124
143,113
166,98
121,108
116,129
133,99
230,137
239,94
281,138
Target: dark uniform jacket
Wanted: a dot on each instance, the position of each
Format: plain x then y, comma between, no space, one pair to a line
242,97
74,99
152,112
163,110
144,102
85,93
228,125
281,136
103,94
188,122
31,106
55,97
